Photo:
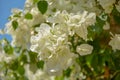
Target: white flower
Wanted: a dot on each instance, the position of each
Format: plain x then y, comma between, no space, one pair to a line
40,41
81,5
51,42
73,23
115,42
38,75
16,11
80,23
59,17
106,26
20,36
118,6
52,48
59,61
28,4
37,16
107,5
82,32
84,49
72,6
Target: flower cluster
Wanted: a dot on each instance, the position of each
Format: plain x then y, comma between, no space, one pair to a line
51,42
63,38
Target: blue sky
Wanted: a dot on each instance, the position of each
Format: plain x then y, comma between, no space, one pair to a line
5,11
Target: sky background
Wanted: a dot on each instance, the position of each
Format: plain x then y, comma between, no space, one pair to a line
5,11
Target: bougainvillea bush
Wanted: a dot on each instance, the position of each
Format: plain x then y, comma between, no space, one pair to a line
62,40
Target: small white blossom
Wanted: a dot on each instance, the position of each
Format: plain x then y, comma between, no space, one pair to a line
72,6
59,61
20,36
16,11
115,42
84,49
80,23
107,5
106,26
118,6
38,75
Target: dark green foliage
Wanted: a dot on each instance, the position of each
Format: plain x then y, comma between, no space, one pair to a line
21,70
116,76
42,6
23,58
8,49
67,72
116,15
35,1
33,56
40,64
14,65
14,24
59,78
28,16
96,29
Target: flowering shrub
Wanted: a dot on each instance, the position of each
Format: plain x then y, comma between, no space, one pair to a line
62,40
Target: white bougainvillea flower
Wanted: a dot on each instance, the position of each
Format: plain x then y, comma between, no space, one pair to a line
59,17
41,40
107,5
16,11
80,23
20,35
115,42
55,36
106,26
118,6
73,23
52,48
72,6
38,75
84,49
59,61
51,42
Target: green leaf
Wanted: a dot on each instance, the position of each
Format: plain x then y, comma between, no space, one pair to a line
16,76
116,60
67,72
35,1
8,49
21,70
33,56
28,16
17,49
59,78
42,6
117,77
16,15
22,78
13,65
23,58
117,19
40,64
97,63
96,29
14,24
